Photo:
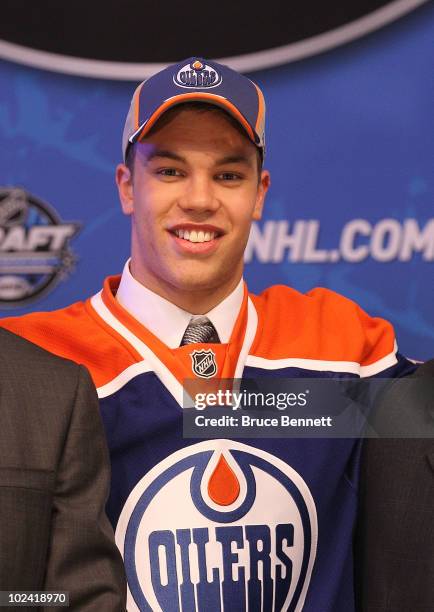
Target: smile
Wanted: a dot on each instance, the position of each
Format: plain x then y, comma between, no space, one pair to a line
195,236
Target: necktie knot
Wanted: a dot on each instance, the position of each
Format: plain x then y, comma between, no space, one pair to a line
200,329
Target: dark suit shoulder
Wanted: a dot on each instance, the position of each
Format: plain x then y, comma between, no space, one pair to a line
33,372
426,369
16,351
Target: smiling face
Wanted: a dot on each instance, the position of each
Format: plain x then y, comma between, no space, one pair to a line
192,197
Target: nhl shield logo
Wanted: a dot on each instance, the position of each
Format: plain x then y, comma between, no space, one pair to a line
204,363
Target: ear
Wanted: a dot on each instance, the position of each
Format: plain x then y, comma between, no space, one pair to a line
263,186
124,181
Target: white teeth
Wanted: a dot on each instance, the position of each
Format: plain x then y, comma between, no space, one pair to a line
194,236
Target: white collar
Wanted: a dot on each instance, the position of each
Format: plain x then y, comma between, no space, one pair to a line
155,312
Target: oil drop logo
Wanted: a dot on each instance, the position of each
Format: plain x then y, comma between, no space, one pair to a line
218,525
197,75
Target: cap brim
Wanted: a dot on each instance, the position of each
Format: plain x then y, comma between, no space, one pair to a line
209,98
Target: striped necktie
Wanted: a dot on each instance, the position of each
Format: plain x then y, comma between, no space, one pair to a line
200,329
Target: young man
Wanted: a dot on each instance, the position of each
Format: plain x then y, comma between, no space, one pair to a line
218,524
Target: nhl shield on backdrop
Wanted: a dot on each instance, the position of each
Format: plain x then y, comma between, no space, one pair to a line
198,532
231,32
34,247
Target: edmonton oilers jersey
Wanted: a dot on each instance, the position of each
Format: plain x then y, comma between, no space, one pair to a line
225,525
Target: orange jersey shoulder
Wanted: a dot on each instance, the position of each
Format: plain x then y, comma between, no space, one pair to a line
77,333
320,324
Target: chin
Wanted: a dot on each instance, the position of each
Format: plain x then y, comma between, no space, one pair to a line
193,285
199,282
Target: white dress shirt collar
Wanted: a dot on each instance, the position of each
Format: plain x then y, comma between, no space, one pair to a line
167,321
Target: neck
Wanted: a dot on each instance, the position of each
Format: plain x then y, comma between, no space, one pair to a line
197,301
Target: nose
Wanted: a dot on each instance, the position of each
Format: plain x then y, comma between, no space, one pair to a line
199,195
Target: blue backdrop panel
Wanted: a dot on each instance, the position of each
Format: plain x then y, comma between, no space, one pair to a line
350,151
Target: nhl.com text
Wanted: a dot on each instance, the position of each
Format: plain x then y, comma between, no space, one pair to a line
387,240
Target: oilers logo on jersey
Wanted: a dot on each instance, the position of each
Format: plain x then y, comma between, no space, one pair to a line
193,537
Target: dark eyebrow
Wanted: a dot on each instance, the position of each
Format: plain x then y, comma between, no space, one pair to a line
165,154
233,159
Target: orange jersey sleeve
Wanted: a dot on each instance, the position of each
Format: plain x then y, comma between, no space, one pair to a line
77,333
321,325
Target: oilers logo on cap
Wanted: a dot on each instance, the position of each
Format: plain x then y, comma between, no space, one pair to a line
197,75
218,525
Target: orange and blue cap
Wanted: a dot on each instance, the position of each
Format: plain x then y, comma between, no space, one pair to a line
196,80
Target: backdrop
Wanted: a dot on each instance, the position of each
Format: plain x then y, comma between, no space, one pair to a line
349,147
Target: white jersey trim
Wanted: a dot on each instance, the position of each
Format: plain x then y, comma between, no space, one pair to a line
251,327
382,364
151,363
352,367
123,378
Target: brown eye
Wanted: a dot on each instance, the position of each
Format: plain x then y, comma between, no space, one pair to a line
169,172
229,176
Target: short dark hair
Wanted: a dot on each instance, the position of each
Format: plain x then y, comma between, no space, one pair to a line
197,107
